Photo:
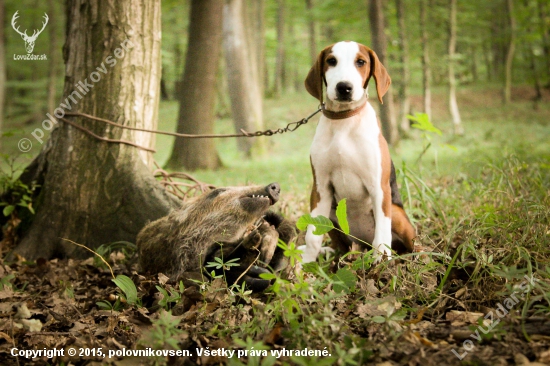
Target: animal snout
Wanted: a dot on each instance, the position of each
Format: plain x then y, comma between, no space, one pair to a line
344,90
273,190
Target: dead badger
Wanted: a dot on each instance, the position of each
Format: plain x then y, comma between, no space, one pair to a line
227,223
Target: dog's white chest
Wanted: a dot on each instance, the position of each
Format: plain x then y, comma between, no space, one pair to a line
347,153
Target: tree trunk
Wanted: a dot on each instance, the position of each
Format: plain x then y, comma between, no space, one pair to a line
426,67
488,61
243,80
280,58
543,14
256,34
510,54
529,49
52,68
197,92
453,105
294,79
474,60
379,43
404,100
94,192
2,69
311,31
498,25
254,30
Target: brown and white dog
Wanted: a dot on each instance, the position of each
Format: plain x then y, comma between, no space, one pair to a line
350,157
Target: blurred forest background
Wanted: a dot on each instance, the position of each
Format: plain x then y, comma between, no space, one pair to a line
266,49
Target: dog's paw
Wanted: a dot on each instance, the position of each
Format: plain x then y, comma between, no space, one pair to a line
307,255
311,256
383,252
325,250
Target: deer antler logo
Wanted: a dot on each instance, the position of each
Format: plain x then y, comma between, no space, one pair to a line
29,40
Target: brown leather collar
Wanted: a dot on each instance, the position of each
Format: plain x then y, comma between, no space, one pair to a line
342,114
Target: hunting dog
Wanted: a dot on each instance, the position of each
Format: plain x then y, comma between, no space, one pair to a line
350,157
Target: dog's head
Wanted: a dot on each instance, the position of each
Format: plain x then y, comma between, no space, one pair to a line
346,68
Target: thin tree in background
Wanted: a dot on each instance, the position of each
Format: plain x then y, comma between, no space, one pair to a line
2,69
530,50
426,67
311,31
475,67
278,81
499,22
197,91
486,49
403,94
294,79
453,105
543,14
256,34
243,79
53,59
510,54
379,43
90,191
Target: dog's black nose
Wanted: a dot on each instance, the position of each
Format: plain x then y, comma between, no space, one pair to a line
344,89
273,190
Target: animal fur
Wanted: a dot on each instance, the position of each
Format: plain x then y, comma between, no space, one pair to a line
231,222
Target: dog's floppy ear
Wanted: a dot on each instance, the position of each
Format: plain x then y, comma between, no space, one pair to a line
381,76
316,76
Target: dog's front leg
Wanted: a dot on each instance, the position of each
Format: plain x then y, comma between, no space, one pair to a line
382,231
378,186
314,242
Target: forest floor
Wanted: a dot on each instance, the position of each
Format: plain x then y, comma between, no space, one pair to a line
479,294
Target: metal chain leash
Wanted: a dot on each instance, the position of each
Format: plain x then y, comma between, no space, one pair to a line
291,127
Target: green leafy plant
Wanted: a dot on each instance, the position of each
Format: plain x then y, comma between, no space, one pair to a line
164,333
128,289
255,347
105,250
422,122
170,295
290,251
5,282
106,305
14,193
220,264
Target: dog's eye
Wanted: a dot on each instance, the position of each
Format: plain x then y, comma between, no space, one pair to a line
332,61
360,62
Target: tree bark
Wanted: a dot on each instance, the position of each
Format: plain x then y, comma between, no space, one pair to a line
311,31
404,99
453,105
256,34
488,62
243,80
2,69
197,91
529,49
94,192
498,44
379,43
474,60
294,79
278,81
52,68
510,54
426,67
543,14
